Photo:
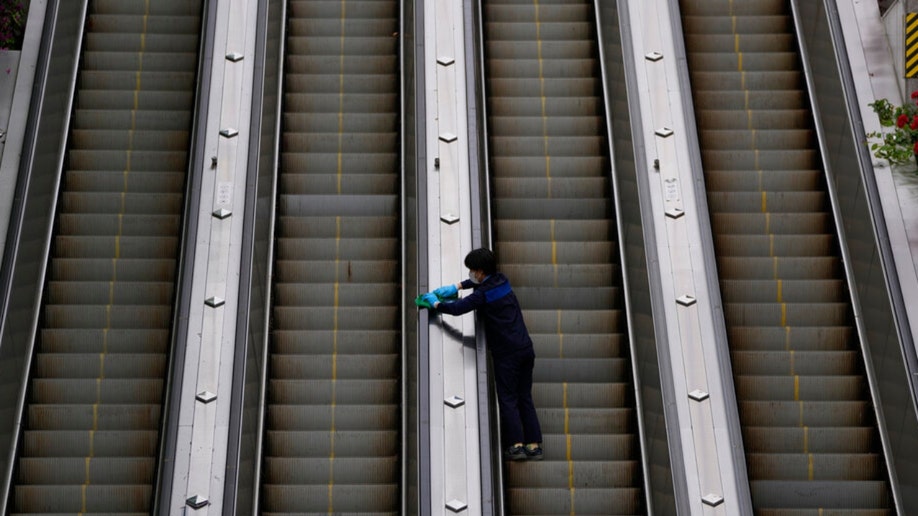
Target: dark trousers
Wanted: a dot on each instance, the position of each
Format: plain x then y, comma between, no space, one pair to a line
518,420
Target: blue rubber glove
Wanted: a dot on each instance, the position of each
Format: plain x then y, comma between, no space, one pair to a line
430,298
447,292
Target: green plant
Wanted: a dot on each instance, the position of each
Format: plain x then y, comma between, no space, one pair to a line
12,24
900,144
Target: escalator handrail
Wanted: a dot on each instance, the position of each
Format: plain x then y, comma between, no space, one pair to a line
41,113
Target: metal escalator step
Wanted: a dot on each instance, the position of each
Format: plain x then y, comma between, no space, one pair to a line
344,142
301,205
700,42
761,160
778,338
759,24
333,8
561,166
792,314
176,9
535,87
551,208
315,499
83,499
768,268
71,340
332,122
382,443
743,100
146,203
332,162
593,420
570,252
148,62
527,30
137,81
356,271
579,394
810,440
556,12
107,269
549,188
89,443
327,294
335,367
739,9
307,54
776,413
319,417
102,316
584,474
119,181
364,83
345,341
360,390
332,184
337,26
585,500
138,42
81,245
786,291
546,49
569,298
322,471
572,275
121,292
536,125
800,386
794,362
578,345
322,318
775,245
758,139
758,180
822,495
86,139
747,62
772,223
527,106
79,470
132,162
731,119
345,249
568,321
110,389
519,68
127,100
621,447
581,370
100,365
103,22
131,417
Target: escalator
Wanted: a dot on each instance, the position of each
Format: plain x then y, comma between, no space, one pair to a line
555,238
332,442
809,429
94,408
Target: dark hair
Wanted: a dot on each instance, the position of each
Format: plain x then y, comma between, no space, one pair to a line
482,259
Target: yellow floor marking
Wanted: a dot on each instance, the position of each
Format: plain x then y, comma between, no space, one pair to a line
810,466
792,365
796,387
783,314
806,439
764,201
780,287
334,372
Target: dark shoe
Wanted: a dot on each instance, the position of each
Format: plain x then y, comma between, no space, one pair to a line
516,453
533,454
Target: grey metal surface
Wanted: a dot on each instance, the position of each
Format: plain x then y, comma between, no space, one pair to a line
102,350
797,366
333,421
635,227
884,324
555,237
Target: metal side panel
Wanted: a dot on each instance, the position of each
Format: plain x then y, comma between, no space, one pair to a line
888,342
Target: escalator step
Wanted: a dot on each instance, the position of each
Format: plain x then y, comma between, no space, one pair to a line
86,443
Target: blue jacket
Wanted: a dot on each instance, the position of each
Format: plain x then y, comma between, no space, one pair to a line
499,311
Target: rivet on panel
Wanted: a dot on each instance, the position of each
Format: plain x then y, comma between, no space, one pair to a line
454,401
222,213
686,300
712,499
456,505
229,132
698,395
653,56
197,501
664,132
205,396
214,301
234,57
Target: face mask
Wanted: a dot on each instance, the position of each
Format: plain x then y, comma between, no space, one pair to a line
473,277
